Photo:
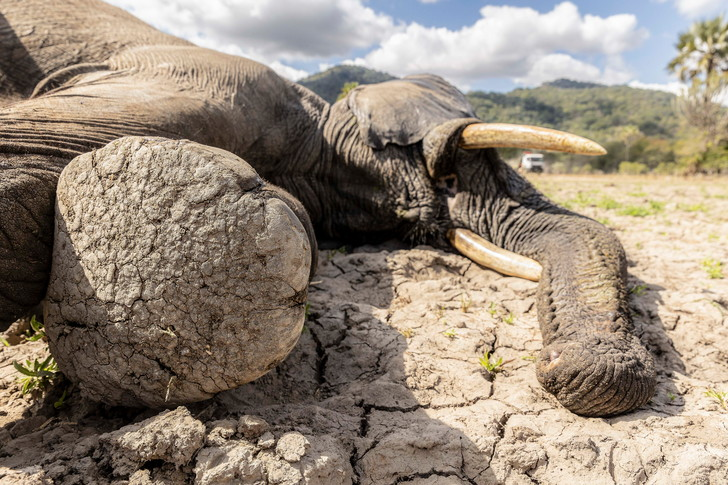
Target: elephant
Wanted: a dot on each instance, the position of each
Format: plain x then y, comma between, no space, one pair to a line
406,158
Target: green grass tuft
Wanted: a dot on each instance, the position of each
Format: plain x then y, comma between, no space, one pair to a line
713,267
489,363
720,396
37,374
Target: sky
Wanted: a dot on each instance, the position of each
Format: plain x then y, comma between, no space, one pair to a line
475,44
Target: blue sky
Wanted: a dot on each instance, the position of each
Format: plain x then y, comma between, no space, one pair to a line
474,44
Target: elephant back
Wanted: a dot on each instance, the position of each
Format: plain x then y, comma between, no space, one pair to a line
41,37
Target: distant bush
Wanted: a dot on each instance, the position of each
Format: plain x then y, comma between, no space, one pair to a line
345,90
632,168
665,168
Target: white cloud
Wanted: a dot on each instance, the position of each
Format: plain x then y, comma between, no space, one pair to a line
518,43
554,66
269,30
673,87
698,8
676,88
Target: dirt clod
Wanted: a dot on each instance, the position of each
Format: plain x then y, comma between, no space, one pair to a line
251,427
171,436
292,446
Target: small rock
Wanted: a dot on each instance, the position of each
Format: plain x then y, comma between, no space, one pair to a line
280,472
220,432
292,446
171,436
233,463
251,427
140,477
267,440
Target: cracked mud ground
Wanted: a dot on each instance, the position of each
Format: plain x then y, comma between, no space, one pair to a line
385,386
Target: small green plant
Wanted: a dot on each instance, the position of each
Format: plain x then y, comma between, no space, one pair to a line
4,342
440,312
509,319
700,207
634,211
639,245
61,400
604,220
492,310
37,374
656,206
607,203
333,252
407,332
638,289
490,364
713,267
712,237
720,396
36,332
465,302
450,333
307,310
530,358
671,397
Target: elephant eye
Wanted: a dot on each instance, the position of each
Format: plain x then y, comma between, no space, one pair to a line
447,185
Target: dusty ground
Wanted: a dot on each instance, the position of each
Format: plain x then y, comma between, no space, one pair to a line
385,386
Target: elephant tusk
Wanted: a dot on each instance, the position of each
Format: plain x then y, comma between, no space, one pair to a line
491,256
497,135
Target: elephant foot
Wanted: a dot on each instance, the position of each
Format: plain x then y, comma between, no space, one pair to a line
601,374
27,194
177,273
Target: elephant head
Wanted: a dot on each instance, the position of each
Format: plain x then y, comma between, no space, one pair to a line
408,157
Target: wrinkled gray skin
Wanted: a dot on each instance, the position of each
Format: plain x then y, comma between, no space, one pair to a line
382,162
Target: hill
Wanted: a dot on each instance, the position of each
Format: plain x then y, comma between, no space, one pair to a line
328,84
587,108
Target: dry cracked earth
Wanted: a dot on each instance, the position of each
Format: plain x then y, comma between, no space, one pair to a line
385,385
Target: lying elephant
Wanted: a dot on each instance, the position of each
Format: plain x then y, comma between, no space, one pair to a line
405,158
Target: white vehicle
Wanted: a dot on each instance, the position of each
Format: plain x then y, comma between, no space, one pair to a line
532,162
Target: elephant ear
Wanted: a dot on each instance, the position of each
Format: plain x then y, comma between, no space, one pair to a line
404,110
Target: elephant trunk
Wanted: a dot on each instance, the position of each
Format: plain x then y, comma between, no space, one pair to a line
591,360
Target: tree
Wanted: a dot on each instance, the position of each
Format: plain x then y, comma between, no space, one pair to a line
346,88
628,134
703,54
702,63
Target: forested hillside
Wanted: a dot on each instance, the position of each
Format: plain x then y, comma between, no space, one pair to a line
328,84
637,126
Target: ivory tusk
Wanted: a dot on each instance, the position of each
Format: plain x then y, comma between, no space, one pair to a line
491,256
497,135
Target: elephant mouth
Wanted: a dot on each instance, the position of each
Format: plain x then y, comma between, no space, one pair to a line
499,135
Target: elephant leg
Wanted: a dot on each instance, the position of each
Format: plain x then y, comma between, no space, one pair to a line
178,273
27,195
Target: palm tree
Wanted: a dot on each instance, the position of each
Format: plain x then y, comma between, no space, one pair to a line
702,61
703,55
